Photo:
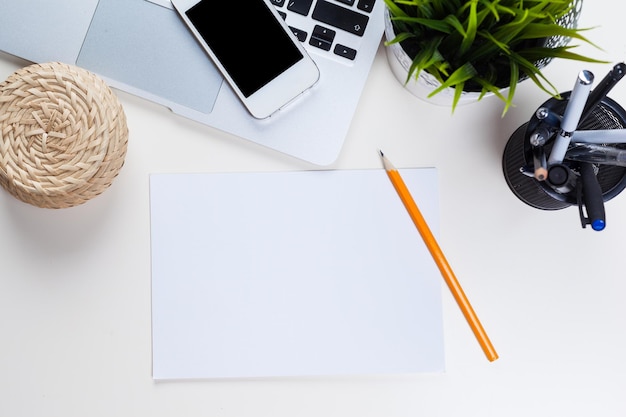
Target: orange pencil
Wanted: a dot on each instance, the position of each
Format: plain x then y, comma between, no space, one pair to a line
440,259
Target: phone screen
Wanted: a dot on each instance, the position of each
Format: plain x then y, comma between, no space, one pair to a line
246,38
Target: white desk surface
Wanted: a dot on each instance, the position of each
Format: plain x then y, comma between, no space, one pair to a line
75,284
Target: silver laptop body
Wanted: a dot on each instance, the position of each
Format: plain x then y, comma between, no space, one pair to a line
142,47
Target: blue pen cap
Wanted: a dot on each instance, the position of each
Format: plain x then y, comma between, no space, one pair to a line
598,225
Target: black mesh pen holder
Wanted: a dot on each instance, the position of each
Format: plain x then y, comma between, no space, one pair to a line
518,159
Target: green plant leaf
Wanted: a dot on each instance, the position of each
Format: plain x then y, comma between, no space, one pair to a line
535,74
490,7
437,25
541,31
472,24
426,58
462,74
401,37
458,92
563,52
454,23
514,79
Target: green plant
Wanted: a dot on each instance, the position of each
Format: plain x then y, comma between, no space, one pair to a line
486,45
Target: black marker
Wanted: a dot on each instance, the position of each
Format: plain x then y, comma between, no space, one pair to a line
592,196
602,89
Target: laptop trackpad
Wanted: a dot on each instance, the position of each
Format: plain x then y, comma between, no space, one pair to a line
148,47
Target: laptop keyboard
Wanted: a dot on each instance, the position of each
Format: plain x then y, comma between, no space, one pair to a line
335,27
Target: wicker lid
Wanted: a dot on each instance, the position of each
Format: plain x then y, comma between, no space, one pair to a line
63,135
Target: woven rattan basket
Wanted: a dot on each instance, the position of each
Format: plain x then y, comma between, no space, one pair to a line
63,135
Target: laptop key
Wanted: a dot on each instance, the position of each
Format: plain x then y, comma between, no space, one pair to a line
318,43
278,3
340,17
300,6
300,34
365,5
345,52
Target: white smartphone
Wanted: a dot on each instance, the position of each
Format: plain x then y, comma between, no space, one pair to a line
254,49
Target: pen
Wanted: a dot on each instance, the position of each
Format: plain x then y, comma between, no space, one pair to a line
571,116
602,89
600,137
592,197
597,154
440,259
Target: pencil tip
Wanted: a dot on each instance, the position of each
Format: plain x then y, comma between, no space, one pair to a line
381,153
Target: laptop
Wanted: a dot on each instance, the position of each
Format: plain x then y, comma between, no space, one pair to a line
143,47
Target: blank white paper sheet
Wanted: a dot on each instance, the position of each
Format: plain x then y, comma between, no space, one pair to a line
302,273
